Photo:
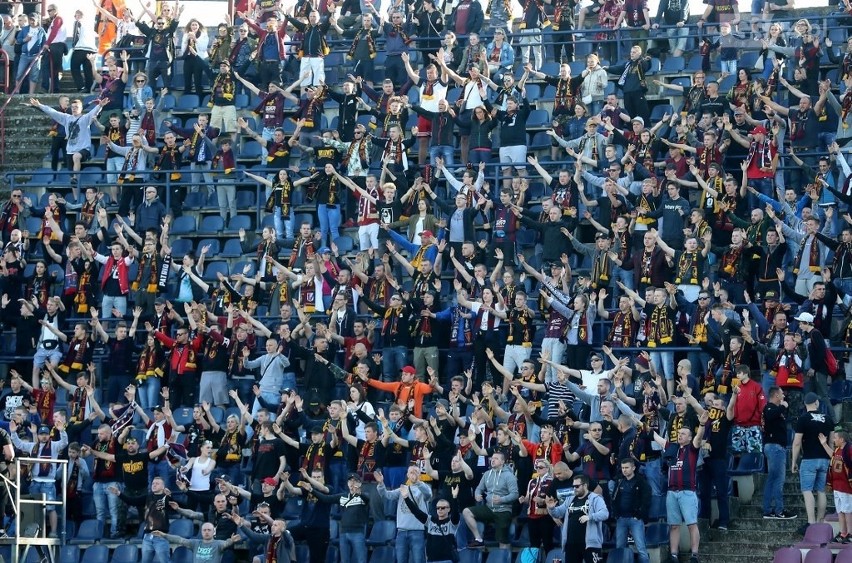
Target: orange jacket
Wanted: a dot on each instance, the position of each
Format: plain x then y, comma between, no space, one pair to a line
416,391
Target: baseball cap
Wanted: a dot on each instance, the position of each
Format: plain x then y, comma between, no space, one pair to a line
760,129
354,476
159,301
44,429
427,233
805,318
600,235
317,429
770,295
409,369
639,120
325,250
811,398
270,481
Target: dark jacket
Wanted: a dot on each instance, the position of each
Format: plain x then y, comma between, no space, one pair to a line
554,242
640,495
475,18
634,82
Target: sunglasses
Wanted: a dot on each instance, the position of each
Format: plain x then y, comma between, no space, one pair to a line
442,507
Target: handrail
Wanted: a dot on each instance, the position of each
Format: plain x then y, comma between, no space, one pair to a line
9,98
25,541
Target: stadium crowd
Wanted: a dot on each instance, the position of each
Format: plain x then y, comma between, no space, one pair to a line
440,319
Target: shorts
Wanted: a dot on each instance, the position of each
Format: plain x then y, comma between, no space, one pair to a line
85,155
843,502
224,118
747,439
424,126
42,356
812,475
516,154
38,488
501,521
681,508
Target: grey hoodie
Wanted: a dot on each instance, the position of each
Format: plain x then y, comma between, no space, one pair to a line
420,493
598,514
498,483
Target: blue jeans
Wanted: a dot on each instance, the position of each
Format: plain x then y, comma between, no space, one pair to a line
443,151
105,500
283,227
776,471
637,529
110,302
653,472
155,549
664,363
715,474
329,220
410,546
393,360
844,285
149,393
353,548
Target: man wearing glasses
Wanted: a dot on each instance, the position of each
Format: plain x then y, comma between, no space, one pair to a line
161,47
12,215
583,514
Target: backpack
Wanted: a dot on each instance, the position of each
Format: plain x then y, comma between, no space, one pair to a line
529,555
830,362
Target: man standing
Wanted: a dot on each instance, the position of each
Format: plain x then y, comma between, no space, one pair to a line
410,534
83,44
630,503
745,410
682,498
56,36
632,83
499,489
816,353
77,129
583,514
44,474
775,450
814,467
156,518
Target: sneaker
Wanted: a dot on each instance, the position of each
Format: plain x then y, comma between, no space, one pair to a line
839,538
476,544
770,516
693,558
722,527
673,558
784,515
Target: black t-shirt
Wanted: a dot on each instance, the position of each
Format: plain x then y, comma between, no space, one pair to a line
268,458
810,425
716,433
121,355
775,424
112,287
134,468
577,531
448,480
388,213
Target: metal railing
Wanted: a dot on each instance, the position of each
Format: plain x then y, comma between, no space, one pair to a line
40,539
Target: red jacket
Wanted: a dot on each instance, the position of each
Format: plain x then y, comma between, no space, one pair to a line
183,358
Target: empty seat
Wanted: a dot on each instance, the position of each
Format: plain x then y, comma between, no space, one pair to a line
213,269
96,554
182,527
211,225
126,553
187,102
232,249
90,531
382,533
239,222
183,225
211,244
816,535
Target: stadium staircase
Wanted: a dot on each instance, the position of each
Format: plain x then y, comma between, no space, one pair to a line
26,130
